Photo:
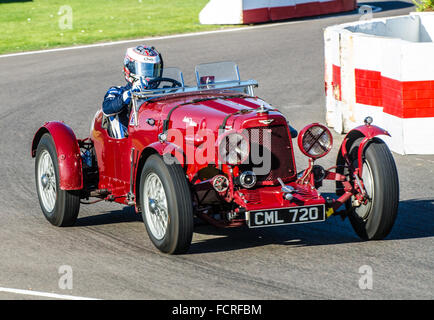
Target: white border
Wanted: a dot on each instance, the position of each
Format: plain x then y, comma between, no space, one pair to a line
44,294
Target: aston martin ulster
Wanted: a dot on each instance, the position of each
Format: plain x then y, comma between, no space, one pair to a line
216,152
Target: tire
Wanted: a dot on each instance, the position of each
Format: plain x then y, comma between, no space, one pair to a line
60,207
375,220
166,205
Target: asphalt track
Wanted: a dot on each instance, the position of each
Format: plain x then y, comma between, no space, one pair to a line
109,250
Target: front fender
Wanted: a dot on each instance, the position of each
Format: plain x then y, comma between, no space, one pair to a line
68,154
168,148
162,149
367,133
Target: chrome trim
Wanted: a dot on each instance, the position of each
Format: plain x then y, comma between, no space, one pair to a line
135,110
243,182
226,85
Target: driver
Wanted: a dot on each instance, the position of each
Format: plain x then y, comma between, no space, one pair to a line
141,65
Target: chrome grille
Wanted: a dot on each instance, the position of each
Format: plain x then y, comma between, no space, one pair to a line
276,141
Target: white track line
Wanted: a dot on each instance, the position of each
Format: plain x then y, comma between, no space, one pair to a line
175,36
44,294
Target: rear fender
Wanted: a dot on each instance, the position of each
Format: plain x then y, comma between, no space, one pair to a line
367,133
68,154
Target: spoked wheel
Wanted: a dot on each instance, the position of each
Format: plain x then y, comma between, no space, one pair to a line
155,206
364,210
166,205
374,219
60,207
47,186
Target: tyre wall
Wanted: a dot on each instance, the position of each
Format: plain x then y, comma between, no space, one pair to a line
383,68
256,11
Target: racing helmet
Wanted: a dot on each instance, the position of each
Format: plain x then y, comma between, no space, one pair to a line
143,62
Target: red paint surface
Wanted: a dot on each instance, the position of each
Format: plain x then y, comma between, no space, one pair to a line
113,155
281,13
68,154
300,10
336,82
334,6
368,87
403,99
270,197
245,103
307,9
369,132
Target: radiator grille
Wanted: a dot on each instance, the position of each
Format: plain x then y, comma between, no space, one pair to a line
269,142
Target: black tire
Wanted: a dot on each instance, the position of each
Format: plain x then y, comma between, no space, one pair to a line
67,202
375,220
179,231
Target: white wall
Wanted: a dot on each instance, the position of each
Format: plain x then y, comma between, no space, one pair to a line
400,48
426,27
222,12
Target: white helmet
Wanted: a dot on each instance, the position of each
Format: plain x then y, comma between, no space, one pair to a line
143,62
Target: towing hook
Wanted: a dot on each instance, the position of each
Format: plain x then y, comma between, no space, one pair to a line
162,137
286,190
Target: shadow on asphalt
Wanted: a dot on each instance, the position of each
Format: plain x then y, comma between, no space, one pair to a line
388,5
127,214
415,220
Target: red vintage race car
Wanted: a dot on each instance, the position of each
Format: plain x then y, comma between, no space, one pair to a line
217,152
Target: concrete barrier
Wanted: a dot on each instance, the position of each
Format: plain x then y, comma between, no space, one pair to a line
383,68
256,11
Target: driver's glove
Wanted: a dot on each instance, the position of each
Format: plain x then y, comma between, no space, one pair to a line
126,96
139,85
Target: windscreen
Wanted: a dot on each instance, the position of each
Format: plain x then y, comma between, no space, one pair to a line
214,73
173,73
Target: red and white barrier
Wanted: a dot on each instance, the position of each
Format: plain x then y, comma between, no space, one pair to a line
255,11
383,68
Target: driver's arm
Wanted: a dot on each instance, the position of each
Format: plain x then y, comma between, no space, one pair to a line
115,100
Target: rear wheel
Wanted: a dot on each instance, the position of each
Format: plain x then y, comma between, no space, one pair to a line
60,207
374,219
166,205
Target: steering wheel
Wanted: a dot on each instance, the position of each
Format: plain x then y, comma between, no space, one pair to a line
174,82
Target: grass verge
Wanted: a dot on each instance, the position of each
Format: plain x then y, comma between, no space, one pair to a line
424,5
42,24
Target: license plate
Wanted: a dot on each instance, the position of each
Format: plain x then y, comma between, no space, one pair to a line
281,216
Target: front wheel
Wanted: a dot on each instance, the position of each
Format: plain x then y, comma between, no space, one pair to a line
374,219
60,207
166,205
